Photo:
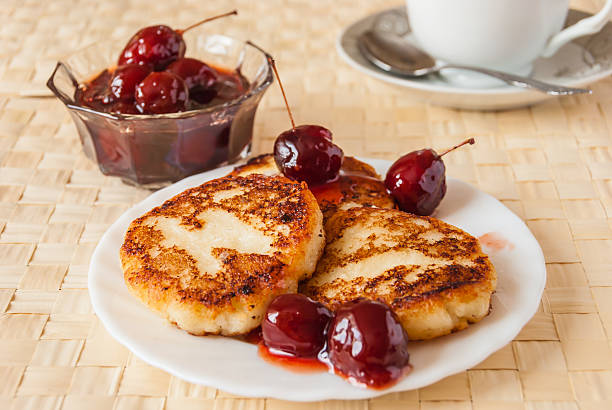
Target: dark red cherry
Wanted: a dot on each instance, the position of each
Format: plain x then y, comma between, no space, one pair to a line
367,343
125,79
230,86
417,180
156,46
307,153
198,76
295,325
160,93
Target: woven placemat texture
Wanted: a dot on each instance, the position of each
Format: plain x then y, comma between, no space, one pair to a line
551,164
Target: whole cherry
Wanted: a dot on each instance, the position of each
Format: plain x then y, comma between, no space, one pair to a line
198,76
305,153
367,343
295,325
158,46
161,93
125,79
417,180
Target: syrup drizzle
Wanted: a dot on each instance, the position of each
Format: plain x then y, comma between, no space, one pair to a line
341,188
495,241
295,364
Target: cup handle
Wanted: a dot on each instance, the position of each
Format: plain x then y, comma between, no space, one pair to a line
586,26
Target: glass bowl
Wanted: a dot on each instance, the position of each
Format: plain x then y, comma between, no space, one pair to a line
154,150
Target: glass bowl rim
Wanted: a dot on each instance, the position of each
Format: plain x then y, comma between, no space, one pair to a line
269,78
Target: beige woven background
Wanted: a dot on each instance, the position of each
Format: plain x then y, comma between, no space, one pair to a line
551,164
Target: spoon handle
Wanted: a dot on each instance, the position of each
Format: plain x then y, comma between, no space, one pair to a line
523,82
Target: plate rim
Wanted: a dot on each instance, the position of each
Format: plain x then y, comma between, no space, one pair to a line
302,396
446,89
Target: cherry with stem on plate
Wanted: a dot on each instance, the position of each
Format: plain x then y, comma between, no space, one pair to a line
417,180
161,93
158,46
306,152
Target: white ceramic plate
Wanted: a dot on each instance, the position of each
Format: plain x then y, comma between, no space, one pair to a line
577,64
235,366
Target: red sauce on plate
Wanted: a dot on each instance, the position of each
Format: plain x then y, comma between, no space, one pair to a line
495,241
294,364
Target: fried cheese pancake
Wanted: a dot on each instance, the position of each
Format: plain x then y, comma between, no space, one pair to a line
358,184
212,258
261,164
433,275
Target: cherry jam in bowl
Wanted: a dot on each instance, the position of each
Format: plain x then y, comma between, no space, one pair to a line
153,150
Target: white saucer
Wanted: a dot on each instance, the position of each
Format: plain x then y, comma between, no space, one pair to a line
581,62
235,366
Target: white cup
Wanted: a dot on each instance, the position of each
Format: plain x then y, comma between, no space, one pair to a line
505,35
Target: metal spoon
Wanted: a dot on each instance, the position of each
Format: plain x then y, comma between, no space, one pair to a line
394,54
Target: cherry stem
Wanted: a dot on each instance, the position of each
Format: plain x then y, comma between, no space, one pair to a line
206,20
273,64
470,141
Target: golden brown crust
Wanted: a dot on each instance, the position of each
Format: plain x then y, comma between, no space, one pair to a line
352,190
358,184
353,165
425,269
261,164
166,271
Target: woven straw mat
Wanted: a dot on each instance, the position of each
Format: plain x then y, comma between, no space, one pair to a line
550,164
